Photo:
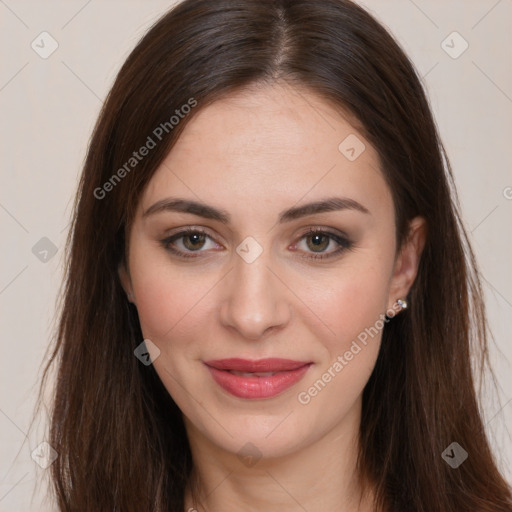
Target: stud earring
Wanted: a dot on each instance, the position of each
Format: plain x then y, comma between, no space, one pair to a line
402,303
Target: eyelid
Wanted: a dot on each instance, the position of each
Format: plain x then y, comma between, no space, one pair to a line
189,228
325,230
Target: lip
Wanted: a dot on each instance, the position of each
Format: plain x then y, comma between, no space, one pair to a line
286,373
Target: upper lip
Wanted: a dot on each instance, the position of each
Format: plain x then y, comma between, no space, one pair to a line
258,365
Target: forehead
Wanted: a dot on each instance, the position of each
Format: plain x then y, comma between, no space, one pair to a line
269,146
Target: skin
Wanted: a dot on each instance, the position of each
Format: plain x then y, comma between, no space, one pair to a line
254,154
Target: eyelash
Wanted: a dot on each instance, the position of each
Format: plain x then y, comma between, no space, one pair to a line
344,243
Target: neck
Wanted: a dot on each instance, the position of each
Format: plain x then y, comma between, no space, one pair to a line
320,476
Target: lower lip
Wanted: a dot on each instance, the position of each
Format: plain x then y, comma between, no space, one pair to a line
257,387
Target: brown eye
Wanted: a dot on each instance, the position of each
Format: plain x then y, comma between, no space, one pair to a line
194,241
189,241
318,242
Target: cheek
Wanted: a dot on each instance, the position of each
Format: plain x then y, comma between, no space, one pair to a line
166,297
352,303
171,309
157,305
353,307
354,311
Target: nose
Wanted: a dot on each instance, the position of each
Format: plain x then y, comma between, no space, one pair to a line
255,299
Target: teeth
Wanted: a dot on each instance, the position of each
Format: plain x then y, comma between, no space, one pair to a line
249,374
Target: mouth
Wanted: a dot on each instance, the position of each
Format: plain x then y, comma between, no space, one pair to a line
256,379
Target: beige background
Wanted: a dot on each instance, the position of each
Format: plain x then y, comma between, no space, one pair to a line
48,107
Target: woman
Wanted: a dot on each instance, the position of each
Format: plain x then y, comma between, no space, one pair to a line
270,299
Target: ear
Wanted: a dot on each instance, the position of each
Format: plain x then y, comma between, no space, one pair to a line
126,282
407,262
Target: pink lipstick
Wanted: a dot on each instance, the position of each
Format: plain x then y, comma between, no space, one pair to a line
262,378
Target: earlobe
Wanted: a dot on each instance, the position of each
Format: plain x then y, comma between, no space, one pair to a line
407,262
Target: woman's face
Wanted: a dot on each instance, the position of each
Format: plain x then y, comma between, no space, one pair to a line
267,333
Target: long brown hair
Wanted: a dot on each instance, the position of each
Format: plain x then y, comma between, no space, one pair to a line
120,437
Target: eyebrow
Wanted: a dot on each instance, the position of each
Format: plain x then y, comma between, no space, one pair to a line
209,212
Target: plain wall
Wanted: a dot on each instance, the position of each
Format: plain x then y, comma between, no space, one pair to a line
48,108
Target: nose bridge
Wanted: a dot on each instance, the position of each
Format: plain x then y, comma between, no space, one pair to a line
255,300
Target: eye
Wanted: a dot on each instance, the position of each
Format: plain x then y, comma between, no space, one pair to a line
188,241
317,241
